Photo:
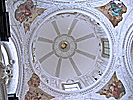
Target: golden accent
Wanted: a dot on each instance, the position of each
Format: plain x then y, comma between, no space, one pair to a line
63,45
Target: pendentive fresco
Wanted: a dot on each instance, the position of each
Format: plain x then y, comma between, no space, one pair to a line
113,11
35,93
114,88
26,13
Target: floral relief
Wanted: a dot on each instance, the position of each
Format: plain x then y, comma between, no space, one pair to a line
34,92
113,11
114,88
26,13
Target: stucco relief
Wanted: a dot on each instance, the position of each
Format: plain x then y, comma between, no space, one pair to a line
26,13
48,80
114,88
35,93
113,11
6,72
2,71
52,90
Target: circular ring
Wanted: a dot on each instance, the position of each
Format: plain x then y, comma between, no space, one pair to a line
64,46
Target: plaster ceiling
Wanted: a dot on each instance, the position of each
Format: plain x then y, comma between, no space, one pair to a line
63,45
81,50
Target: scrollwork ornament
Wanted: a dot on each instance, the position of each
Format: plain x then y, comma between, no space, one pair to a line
2,68
6,72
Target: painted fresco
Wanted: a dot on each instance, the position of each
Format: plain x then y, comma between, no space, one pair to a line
114,88
26,13
113,11
35,93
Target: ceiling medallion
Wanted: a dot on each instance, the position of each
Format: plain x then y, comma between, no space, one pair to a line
64,46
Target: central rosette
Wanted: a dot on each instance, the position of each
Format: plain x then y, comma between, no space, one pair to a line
64,46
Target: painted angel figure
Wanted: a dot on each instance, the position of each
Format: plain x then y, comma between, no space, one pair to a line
116,11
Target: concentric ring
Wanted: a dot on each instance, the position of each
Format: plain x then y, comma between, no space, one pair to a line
64,46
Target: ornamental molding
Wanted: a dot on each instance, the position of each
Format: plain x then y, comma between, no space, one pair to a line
125,41
23,43
19,49
92,3
35,67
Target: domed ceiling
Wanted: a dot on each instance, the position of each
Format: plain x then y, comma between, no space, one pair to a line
70,45
64,45
70,48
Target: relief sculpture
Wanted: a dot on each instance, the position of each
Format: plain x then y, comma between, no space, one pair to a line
113,11
26,13
35,93
114,88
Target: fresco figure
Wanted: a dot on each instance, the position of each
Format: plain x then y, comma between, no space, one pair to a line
116,11
34,92
114,88
113,11
26,13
